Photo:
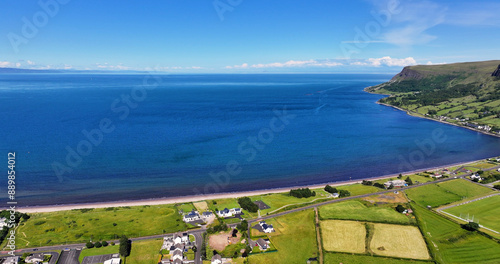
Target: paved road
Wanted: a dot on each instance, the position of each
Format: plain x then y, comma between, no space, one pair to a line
199,239
198,232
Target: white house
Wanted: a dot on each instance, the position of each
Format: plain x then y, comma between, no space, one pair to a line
11,260
263,244
216,259
224,213
35,258
475,177
335,195
113,261
395,183
235,211
206,215
3,222
191,216
265,227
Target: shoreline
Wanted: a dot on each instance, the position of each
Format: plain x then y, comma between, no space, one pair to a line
410,113
194,198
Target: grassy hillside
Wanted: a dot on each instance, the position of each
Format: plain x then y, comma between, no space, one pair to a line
461,93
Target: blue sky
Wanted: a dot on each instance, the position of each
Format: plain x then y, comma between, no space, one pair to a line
245,36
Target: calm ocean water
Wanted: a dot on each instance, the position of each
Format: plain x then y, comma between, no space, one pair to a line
193,134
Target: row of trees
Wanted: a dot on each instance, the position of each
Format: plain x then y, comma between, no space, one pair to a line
98,244
302,193
247,204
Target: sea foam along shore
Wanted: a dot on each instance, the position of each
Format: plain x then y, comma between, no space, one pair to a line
194,198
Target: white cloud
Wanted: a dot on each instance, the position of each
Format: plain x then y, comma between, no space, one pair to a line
388,61
6,64
412,23
288,64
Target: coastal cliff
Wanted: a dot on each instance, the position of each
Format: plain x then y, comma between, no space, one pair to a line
464,94
496,73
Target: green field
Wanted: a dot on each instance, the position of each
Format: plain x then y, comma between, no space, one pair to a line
363,211
343,236
449,243
279,200
98,251
295,240
335,258
80,226
446,192
486,211
145,252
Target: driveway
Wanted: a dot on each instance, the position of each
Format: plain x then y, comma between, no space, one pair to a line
69,257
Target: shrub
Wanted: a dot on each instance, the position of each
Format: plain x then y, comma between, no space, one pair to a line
400,208
97,244
471,226
302,193
104,243
89,245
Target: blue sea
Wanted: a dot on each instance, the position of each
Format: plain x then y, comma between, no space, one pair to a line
96,137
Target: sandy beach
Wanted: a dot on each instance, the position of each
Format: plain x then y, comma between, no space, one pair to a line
194,198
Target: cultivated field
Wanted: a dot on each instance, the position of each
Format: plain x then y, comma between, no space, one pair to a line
296,241
363,211
343,236
446,192
201,206
485,211
336,258
452,244
398,241
387,198
73,226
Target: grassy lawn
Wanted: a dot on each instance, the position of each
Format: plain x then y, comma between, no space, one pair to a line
98,251
486,211
343,236
145,252
363,211
364,259
278,200
359,189
77,226
446,192
185,207
449,243
295,240
398,241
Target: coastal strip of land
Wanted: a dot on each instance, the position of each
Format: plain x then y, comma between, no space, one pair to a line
194,198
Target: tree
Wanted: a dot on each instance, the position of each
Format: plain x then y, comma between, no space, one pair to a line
247,204
344,193
104,243
243,226
471,226
125,246
302,193
194,248
98,244
89,245
400,208
379,185
400,176
235,231
330,189
409,181
497,186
